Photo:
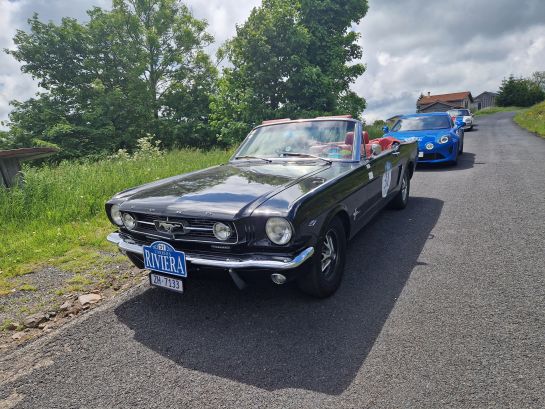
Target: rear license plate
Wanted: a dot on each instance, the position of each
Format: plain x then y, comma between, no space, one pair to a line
169,283
161,257
420,154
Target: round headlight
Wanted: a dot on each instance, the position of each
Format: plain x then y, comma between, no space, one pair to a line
222,231
129,221
444,139
116,215
429,146
278,230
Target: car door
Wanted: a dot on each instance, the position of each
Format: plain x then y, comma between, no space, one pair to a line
388,166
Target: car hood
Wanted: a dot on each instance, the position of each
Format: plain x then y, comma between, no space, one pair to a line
421,136
227,191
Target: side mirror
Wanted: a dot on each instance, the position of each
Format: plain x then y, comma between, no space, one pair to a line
385,129
460,123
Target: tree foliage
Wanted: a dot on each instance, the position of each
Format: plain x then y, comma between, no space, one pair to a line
538,78
520,92
135,70
141,69
289,59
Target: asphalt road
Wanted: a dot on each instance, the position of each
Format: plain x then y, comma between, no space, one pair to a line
442,305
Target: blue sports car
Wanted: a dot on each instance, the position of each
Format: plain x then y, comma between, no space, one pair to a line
439,138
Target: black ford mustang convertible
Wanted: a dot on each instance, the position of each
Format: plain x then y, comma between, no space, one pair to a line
283,207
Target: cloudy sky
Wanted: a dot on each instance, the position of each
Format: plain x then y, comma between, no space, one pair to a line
410,46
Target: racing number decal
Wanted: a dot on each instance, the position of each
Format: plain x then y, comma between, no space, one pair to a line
386,179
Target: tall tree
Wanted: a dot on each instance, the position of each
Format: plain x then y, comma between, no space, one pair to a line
520,92
290,59
139,68
538,78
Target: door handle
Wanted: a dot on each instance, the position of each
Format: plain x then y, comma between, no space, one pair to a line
396,153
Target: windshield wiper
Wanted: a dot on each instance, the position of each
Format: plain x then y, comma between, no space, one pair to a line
305,155
253,157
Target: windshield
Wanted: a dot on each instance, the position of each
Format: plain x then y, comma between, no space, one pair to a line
324,139
459,112
422,123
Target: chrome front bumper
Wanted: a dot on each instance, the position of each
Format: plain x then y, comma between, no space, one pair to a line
272,264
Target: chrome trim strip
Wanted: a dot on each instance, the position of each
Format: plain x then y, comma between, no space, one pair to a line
199,228
226,263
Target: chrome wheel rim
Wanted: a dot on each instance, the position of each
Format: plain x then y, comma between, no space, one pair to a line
404,188
329,254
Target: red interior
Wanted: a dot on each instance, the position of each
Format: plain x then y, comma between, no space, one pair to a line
385,144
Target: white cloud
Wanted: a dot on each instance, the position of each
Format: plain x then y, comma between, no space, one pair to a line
409,46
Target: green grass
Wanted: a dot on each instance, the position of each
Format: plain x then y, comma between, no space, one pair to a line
493,110
533,119
59,211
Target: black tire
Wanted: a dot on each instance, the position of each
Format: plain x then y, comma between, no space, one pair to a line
401,199
461,151
322,282
454,162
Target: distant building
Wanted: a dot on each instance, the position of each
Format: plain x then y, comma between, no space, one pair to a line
485,100
444,102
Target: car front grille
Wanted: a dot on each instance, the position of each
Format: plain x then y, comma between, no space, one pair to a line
432,156
195,229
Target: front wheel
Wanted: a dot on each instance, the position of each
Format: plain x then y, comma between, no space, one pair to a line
454,162
327,264
461,151
402,198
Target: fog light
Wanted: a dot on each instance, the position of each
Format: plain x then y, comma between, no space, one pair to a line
129,221
222,231
429,146
278,278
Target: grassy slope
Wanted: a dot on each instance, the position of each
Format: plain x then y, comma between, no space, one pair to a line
533,119
493,110
59,212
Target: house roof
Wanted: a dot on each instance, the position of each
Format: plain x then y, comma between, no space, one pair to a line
486,92
455,96
27,153
422,107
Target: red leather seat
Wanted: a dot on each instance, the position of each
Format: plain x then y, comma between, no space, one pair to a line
386,142
365,135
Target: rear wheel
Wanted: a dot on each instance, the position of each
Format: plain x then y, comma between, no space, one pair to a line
327,264
402,197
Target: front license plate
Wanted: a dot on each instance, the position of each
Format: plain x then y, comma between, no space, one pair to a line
161,257
420,154
170,283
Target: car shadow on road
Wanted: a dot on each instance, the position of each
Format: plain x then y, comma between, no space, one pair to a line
465,161
275,337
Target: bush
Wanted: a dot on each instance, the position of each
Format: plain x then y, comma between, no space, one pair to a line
519,92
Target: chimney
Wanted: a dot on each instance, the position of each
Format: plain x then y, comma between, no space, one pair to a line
429,93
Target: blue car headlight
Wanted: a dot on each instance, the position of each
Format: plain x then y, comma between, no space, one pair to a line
443,139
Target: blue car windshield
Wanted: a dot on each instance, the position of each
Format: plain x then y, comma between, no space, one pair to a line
458,112
422,123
